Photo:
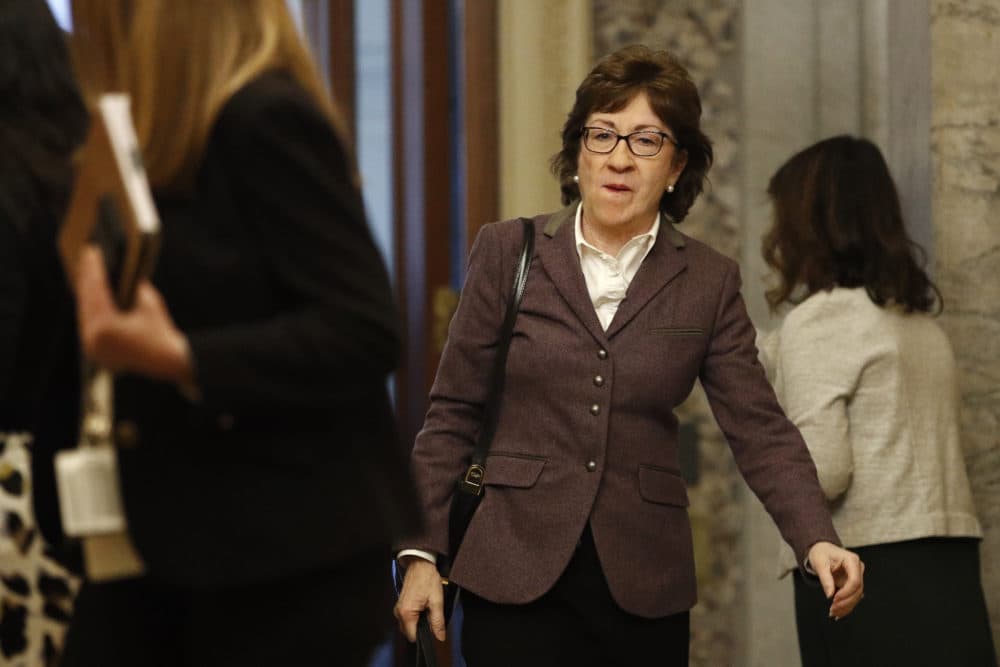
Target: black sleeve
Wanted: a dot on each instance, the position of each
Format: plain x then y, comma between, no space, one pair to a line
338,327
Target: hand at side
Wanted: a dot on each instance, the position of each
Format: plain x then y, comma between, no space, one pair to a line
841,574
422,589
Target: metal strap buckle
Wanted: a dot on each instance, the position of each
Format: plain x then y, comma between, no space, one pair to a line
473,481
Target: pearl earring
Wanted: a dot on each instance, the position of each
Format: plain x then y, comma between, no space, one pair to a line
670,188
576,178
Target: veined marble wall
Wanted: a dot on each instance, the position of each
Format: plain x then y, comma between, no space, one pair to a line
965,38
704,35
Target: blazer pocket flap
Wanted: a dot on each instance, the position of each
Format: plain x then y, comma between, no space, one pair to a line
661,486
517,471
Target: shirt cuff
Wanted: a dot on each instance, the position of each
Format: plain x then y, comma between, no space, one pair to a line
426,555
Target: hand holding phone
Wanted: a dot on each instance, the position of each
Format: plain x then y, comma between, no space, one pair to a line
142,339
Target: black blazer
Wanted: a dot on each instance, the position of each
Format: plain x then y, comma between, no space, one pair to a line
289,460
36,318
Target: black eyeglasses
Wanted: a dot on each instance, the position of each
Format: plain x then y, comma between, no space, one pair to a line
644,143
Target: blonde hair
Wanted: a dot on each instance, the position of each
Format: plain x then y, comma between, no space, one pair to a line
181,61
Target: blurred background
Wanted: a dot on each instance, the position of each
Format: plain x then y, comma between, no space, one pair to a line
456,106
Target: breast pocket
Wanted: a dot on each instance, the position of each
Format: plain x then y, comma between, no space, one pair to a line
677,331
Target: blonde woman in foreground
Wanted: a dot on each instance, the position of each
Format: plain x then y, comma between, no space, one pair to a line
251,396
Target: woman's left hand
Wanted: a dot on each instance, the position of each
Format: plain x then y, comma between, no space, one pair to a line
143,339
841,573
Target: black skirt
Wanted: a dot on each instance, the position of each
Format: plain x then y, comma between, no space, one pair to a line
923,605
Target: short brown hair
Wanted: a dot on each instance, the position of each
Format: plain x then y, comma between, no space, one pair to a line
611,85
838,223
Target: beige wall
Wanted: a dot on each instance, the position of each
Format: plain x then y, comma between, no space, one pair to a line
544,53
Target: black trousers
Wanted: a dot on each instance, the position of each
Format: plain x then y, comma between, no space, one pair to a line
923,606
576,624
328,618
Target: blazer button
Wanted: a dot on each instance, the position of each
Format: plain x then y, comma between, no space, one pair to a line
126,434
595,409
602,354
599,380
591,466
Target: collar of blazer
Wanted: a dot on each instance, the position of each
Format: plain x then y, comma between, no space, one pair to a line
567,214
664,262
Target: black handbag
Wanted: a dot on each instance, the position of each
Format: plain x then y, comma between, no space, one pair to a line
469,489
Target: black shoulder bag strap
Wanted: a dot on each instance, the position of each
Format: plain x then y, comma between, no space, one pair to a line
492,414
470,487
469,491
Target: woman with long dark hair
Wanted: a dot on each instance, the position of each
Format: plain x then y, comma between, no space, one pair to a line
42,121
867,374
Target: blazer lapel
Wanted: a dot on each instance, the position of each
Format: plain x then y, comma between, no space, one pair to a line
664,262
558,255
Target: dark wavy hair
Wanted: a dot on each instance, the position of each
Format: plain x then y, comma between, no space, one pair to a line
838,223
611,85
42,115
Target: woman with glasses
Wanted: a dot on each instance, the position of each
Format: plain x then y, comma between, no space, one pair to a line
580,552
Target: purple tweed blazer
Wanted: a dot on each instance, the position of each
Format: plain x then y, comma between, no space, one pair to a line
587,430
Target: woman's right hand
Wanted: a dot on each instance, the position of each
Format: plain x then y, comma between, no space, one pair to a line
422,589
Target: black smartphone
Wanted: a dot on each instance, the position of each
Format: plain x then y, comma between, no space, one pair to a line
109,234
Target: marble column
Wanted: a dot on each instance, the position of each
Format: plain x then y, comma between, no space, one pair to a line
965,37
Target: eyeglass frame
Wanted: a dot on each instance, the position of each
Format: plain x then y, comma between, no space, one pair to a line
626,137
